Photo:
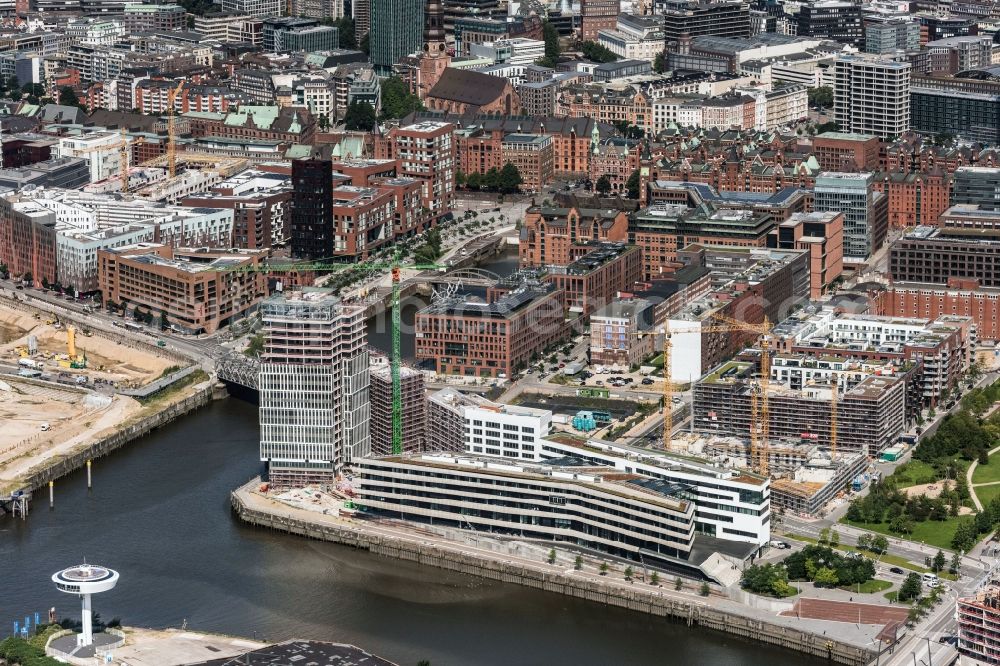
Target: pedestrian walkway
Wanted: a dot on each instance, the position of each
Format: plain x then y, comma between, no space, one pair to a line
968,479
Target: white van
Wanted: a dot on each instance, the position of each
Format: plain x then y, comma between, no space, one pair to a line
930,579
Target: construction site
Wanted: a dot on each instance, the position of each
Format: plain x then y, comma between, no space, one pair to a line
40,343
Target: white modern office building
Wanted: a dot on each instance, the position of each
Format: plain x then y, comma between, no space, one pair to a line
313,384
872,96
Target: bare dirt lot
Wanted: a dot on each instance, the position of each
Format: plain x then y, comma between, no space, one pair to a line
106,360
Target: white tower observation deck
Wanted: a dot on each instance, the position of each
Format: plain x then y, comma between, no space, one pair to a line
85,580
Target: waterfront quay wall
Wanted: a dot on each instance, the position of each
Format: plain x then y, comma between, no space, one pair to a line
632,597
57,467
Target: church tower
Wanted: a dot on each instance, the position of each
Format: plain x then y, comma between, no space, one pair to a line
435,58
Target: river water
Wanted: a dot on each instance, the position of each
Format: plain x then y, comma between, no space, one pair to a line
159,514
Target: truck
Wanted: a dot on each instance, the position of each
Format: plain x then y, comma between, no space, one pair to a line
28,363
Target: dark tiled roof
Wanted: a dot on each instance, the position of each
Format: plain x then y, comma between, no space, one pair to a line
468,87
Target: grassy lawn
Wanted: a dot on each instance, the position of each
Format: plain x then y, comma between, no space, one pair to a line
913,473
987,493
869,587
892,560
932,532
988,473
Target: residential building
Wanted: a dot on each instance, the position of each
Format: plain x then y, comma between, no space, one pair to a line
314,403
63,172
935,255
260,202
197,291
870,413
872,96
865,211
821,234
915,198
597,277
413,406
363,220
979,621
616,333
425,151
538,98
532,154
312,231
469,336
968,115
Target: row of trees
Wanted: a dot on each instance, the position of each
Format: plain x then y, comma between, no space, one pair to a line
885,503
596,52
506,180
429,252
552,47
826,567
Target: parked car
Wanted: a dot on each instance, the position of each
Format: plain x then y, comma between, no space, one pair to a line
896,570
647,381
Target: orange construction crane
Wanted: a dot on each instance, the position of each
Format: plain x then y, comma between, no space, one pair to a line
171,131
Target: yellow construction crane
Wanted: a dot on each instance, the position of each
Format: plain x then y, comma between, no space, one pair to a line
171,130
760,422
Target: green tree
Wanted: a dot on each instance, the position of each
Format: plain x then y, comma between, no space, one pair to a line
910,589
324,122
654,578
603,185
604,568
346,32
955,565
596,52
255,347
360,116
632,184
834,538
552,556
865,541
509,179
397,100
164,323
552,47
705,590
365,45
660,62
824,536
678,583
628,573
939,562
880,544
826,577
68,97
578,563
821,96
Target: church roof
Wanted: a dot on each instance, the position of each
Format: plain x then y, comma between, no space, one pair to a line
468,87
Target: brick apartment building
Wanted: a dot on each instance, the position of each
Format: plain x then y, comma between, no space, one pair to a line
593,280
596,15
424,151
822,236
533,156
964,298
915,198
556,236
363,219
846,151
466,336
198,291
260,202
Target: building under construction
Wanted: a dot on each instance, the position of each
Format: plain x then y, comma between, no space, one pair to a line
869,415
414,403
979,622
805,477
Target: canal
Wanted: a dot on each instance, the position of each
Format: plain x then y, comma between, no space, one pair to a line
378,327
159,514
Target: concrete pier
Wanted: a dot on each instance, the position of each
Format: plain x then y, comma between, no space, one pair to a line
640,598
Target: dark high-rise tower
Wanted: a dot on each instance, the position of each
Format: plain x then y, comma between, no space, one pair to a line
312,208
396,30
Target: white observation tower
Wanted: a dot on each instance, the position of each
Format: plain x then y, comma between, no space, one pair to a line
85,580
